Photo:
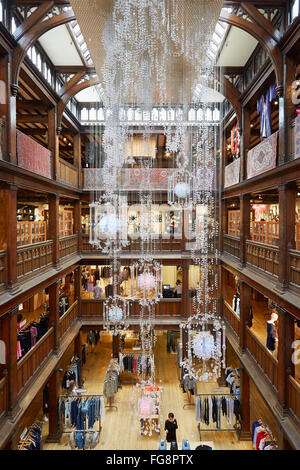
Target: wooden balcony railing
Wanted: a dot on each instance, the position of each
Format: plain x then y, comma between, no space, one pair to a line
231,317
264,257
92,308
67,319
294,397
294,271
231,245
265,232
33,360
68,173
262,356
167,244
68,245
31,258
166,307
2,270
3,395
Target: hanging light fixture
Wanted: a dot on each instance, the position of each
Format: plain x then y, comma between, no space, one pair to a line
116,314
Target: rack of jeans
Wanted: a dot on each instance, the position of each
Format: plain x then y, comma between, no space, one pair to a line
31,439
78,415
219,409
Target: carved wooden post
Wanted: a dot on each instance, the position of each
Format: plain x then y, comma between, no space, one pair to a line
54,427
287,222
54,313
54,227
244,226
13,407
245,434
285,351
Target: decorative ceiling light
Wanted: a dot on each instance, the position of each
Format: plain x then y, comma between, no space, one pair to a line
109,224
180,186
208,347
116,314
146,282
203,345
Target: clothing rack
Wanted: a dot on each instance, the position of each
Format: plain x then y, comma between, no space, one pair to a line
267,431
76,397
232,395
24,441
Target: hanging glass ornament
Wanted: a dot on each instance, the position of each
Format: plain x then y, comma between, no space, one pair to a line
116,314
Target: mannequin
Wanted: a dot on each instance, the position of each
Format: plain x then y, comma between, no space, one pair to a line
271,332
236,303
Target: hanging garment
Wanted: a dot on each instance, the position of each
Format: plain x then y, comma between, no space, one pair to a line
235,141
198,409
271,335
264,110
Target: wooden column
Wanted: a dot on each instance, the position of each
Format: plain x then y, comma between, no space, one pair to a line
77,223
184,238
244,226
285,351
54,227
53,142
115,346
245,305
77,156
77,283
77,345
13,407
224,222
287,205
185,301
185,339
54,312
8,232
54,428
245,434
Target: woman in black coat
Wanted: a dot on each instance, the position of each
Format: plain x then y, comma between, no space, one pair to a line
170,428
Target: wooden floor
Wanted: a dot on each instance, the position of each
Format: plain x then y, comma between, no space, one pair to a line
121,427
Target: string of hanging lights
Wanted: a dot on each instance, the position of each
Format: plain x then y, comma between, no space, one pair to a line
154,58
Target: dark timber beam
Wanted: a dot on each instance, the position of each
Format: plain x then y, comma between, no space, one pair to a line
267,42
30,37
70,93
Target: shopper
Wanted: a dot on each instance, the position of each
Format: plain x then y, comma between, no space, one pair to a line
178,289
170,428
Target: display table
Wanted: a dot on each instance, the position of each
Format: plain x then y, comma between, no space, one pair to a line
154,419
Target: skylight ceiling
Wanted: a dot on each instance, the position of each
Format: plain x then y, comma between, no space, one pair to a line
90,95
218,36
60,47
237,49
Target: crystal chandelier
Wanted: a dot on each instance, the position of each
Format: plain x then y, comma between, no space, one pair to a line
206,348
116,314
154,56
